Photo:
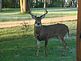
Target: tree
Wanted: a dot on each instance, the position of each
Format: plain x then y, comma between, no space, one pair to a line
74,3
36,2
65,3
78,46
0,5
24,6
44,3
27,6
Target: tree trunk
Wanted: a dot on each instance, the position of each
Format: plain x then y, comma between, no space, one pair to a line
27,6
24,6
44,3
0,5
79,32
36,2
64,3
21,6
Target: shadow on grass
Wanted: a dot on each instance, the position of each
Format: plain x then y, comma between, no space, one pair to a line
8,10
28,54
22,48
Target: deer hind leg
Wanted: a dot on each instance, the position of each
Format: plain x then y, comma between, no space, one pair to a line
64,43
38,47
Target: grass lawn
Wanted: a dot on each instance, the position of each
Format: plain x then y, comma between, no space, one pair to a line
8,14
18,44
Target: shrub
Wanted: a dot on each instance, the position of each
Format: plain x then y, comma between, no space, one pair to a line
10,4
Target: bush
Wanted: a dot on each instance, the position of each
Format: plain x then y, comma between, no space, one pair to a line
38,5
10,3
56,4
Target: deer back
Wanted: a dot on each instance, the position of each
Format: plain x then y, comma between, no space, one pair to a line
57,30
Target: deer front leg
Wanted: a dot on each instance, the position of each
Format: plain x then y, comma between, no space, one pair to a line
38,47
46,42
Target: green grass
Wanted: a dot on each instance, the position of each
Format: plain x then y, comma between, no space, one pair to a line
9,14
18,44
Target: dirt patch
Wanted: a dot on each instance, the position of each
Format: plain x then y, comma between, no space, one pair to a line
31,22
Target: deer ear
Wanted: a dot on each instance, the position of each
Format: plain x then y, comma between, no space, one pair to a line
43,16
33,16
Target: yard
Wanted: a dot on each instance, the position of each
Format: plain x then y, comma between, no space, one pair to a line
18,43
9,14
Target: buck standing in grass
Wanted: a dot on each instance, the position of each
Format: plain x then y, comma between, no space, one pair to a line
45,32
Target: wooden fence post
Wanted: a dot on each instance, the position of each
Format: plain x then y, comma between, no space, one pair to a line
78,42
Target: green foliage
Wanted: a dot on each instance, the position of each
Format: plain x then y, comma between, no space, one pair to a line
10,4
56,3
38,4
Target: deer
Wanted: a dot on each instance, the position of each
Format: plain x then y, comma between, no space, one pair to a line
45,32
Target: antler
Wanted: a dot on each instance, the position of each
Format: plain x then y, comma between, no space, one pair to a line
33,16
42,16
46,11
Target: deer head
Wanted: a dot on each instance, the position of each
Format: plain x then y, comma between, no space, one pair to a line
38,19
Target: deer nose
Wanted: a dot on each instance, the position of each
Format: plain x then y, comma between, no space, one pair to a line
38,23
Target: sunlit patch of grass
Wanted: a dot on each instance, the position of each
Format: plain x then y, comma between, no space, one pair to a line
8,14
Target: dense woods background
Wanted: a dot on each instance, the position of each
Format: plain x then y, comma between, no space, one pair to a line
26,4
